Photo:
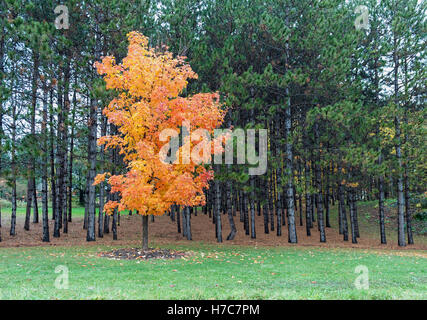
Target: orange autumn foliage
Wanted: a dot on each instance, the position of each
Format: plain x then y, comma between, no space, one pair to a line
148,84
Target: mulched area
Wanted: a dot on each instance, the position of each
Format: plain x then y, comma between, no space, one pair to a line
139,254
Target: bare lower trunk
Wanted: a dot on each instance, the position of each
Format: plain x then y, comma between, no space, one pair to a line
114,225
178,218
352,214
13,167
408,211
36,207
381,209
252,208
45,215
144,232
29,202
319,200
188,222
233,229
218,211
290,195
342,210
92,171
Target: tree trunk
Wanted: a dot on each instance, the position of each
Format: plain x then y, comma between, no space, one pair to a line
352,213
102,186
341,207
218,211
144,232
270,203
319,200
184,222
31,165
92,172
233,229
178,218
408,211
328,223
400,194
70,165
188,221
13,164
52,156
252,208
45,215
381,209
290,196
36,207
2,38
278,184
29,200
114,225
308,204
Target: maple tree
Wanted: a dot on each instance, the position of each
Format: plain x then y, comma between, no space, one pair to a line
148,83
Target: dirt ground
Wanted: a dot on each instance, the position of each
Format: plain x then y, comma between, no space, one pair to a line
164,231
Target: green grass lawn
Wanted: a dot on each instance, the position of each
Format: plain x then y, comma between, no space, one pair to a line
212,273
20,212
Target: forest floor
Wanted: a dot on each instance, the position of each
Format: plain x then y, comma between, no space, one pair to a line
164,231
267,267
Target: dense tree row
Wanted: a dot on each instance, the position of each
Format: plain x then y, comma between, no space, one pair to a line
344,107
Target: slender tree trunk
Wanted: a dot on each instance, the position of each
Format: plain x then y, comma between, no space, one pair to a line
29,200
2,38
400,193
328,223
92,172
178,218
70,165
356,220
218,211
245,213
114,225
300,198
265,209
352,213
32,161
107,216
13,164
381,208
188,221
292,231
65,172
52,156
278,183
308,204
102,186
408,210
241,212
341,207
60,165
144,232
319,199
45,200
184,222
36,207
252,208
270,203
233,229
